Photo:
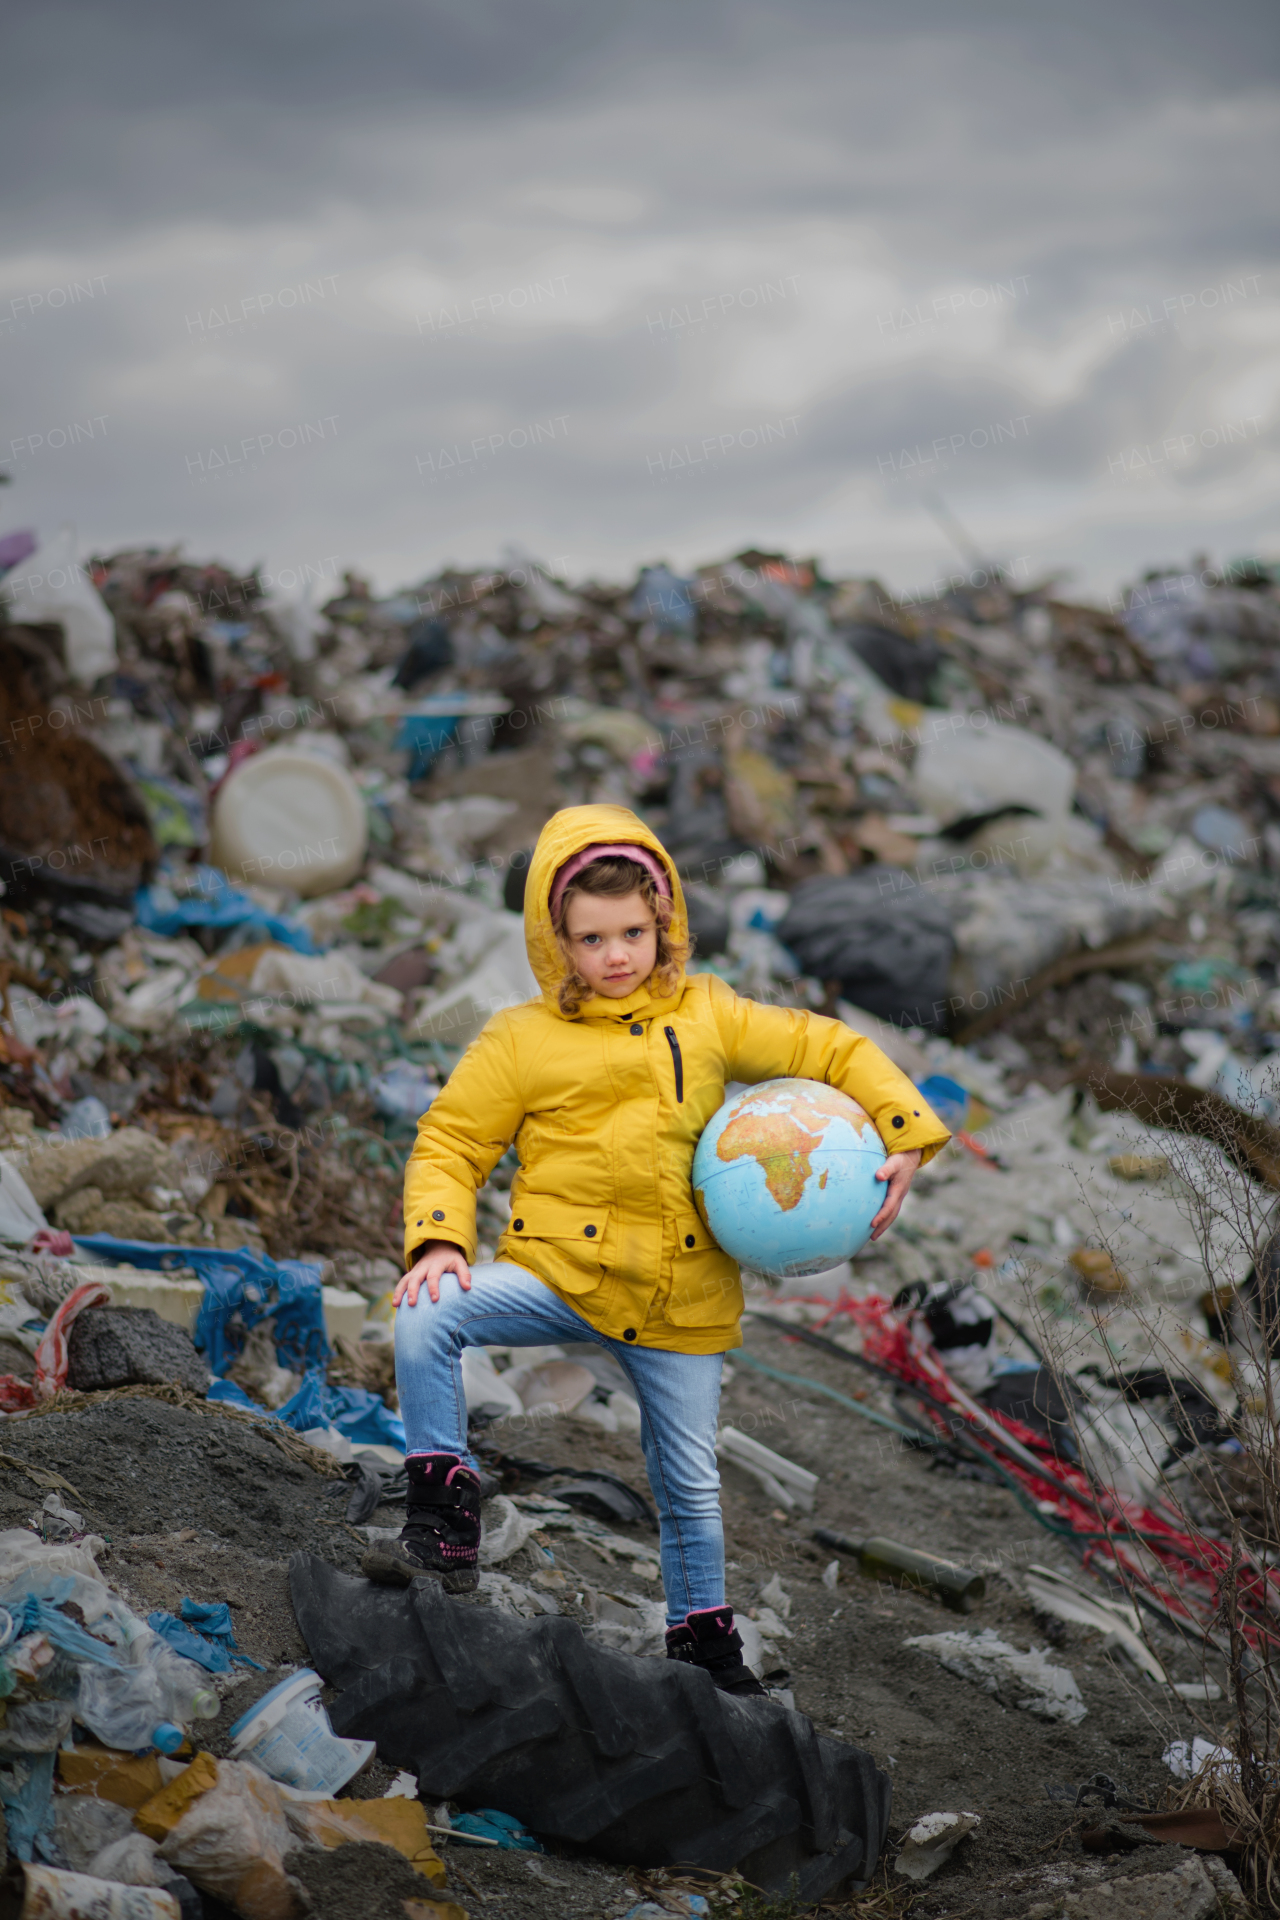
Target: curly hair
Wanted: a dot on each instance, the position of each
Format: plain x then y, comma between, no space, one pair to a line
612,877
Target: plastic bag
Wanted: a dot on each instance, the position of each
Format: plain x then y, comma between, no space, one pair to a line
26,1791
398,1823
232,1842
83,1826
52,588
130,1858
52,1895
36,1726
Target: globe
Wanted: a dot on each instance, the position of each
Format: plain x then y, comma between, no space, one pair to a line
784,1177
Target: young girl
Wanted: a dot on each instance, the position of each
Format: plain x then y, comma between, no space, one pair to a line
605,1084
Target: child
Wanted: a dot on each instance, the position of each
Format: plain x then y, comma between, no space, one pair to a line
605,1084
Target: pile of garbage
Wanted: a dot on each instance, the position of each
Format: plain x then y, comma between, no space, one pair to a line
263,860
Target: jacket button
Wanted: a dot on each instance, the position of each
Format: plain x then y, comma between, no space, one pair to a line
898,1120
438,1214
637,1028
689,1240
628,1333
518,1226
590,1232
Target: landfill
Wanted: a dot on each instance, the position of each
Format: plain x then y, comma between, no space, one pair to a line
262,864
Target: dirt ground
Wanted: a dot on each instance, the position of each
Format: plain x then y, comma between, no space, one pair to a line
192,1503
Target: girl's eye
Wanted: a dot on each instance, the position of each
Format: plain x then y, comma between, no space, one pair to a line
590,939
635,933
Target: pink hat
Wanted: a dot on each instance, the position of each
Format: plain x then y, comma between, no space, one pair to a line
641,855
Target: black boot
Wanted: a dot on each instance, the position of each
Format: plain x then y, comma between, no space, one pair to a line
441,1535
709,1639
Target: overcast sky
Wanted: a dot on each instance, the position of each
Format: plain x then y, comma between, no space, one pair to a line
397,284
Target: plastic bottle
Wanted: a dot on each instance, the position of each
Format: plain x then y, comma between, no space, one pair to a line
959,1588
187,1692
143,1705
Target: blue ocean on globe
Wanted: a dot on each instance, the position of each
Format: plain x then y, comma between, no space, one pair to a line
784,1177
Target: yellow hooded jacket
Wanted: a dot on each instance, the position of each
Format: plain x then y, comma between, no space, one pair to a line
605,1110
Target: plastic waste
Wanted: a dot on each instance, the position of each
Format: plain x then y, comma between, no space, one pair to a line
1026,1680
26,1563
790,1485
394,1821
664,598
968,776
240,1287
429,725
51,1351
673,1902
287,1733
959,1588
83,1826
486,1823
126,1780
1185,1759
488,1391
289,819
1051,1593
54,589
505,1530
403,1091
189,1644
212,901
86,1119
888,946
932,1841
147,1702
232,1837
21,1216
26,1794
212,1618
359,1416
50,1894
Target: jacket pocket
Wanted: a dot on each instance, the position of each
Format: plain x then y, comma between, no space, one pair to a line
706,1286
572,1234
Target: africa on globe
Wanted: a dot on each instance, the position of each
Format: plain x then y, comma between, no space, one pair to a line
784,1177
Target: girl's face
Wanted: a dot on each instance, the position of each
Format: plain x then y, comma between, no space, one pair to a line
614,943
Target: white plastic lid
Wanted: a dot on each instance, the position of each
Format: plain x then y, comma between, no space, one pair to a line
290,819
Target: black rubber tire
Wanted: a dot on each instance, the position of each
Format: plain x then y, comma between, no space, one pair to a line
642,1762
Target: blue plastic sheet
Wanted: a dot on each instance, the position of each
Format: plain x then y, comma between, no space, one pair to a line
213,1618
33,1615
244,1283
190,1644
235,1396
488,1824
360,1416
214,903
26,1793
949,1100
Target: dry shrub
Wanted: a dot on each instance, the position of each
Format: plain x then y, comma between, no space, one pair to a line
1225,1183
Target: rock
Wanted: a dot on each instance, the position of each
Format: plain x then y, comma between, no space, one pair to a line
89,1211
131,1346
1185,1894
124,1163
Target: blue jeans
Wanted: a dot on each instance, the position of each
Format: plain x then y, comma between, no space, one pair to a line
679,1396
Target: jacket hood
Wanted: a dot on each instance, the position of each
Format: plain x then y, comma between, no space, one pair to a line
565,834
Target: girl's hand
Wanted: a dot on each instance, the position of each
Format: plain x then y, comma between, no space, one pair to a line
441,1257
899,1170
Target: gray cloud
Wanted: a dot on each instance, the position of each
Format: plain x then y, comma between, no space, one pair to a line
325,245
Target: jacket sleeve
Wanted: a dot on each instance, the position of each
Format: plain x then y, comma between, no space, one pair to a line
461,1137
778,1043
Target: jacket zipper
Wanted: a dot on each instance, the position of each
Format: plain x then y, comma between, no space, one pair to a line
677,1062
